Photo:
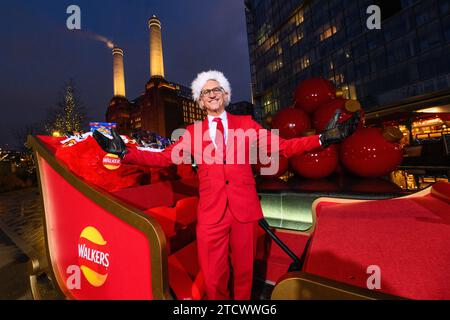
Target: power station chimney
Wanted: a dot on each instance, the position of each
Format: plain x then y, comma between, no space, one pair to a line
119,75
156,52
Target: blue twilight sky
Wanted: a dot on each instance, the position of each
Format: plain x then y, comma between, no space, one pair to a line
39,54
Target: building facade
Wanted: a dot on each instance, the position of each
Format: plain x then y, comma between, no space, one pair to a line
240,108
292,40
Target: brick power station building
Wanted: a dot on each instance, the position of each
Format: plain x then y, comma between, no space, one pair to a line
164,106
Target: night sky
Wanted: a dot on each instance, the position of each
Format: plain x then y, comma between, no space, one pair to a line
39,54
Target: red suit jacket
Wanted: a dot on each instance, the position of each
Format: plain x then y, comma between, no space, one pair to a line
221,183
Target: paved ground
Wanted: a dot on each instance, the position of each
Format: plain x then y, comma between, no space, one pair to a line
21,211
20,219
13,270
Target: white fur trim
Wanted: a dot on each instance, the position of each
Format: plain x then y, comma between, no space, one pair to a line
203,77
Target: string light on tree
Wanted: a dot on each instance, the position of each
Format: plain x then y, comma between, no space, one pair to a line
69,116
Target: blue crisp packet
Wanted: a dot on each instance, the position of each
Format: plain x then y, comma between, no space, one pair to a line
103,127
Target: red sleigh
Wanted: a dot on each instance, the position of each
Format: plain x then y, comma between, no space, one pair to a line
139,242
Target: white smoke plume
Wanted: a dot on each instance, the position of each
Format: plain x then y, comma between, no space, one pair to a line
105,40
97,37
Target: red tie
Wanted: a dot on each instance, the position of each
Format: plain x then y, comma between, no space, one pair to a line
220,136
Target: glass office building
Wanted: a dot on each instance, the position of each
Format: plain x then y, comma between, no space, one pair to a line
292,40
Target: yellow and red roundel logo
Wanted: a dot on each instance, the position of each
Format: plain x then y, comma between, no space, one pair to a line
93,256
111,161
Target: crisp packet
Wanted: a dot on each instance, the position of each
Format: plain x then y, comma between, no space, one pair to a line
74,139
149,139
149,149
103,127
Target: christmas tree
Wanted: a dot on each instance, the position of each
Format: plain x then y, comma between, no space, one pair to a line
69,116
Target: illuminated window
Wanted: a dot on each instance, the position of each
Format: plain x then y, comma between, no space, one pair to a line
271,107
275,65
301,64
262,34
349,92
328,32
295,37
338,79
270,104
279,50
304,62
298,18
271,41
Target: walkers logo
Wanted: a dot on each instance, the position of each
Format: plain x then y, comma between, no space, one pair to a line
93,256
111,161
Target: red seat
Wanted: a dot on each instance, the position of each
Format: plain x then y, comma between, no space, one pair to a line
159,194
271,261
185,277
178,223
407,238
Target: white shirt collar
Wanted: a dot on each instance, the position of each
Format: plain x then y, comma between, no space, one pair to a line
223,117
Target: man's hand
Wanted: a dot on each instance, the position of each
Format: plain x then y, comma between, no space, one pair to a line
114,145
336,132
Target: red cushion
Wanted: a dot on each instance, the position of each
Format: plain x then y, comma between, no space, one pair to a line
148,196
271,261
409,239
165,193
441,190
179,217
184,274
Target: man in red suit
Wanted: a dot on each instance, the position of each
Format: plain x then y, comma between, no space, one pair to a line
229,207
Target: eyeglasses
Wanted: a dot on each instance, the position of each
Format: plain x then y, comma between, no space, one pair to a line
215,90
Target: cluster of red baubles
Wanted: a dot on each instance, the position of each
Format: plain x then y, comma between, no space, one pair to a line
369,152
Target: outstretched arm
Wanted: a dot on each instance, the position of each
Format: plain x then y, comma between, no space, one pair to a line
286,147
172,154
149,158
334,133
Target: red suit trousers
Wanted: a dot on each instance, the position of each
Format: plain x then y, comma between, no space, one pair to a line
229,242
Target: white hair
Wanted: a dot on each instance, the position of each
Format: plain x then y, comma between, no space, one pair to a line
201,80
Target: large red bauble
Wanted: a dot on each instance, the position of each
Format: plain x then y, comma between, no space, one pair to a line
368,153
291,122
325,112
283,165
315,164
311,93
